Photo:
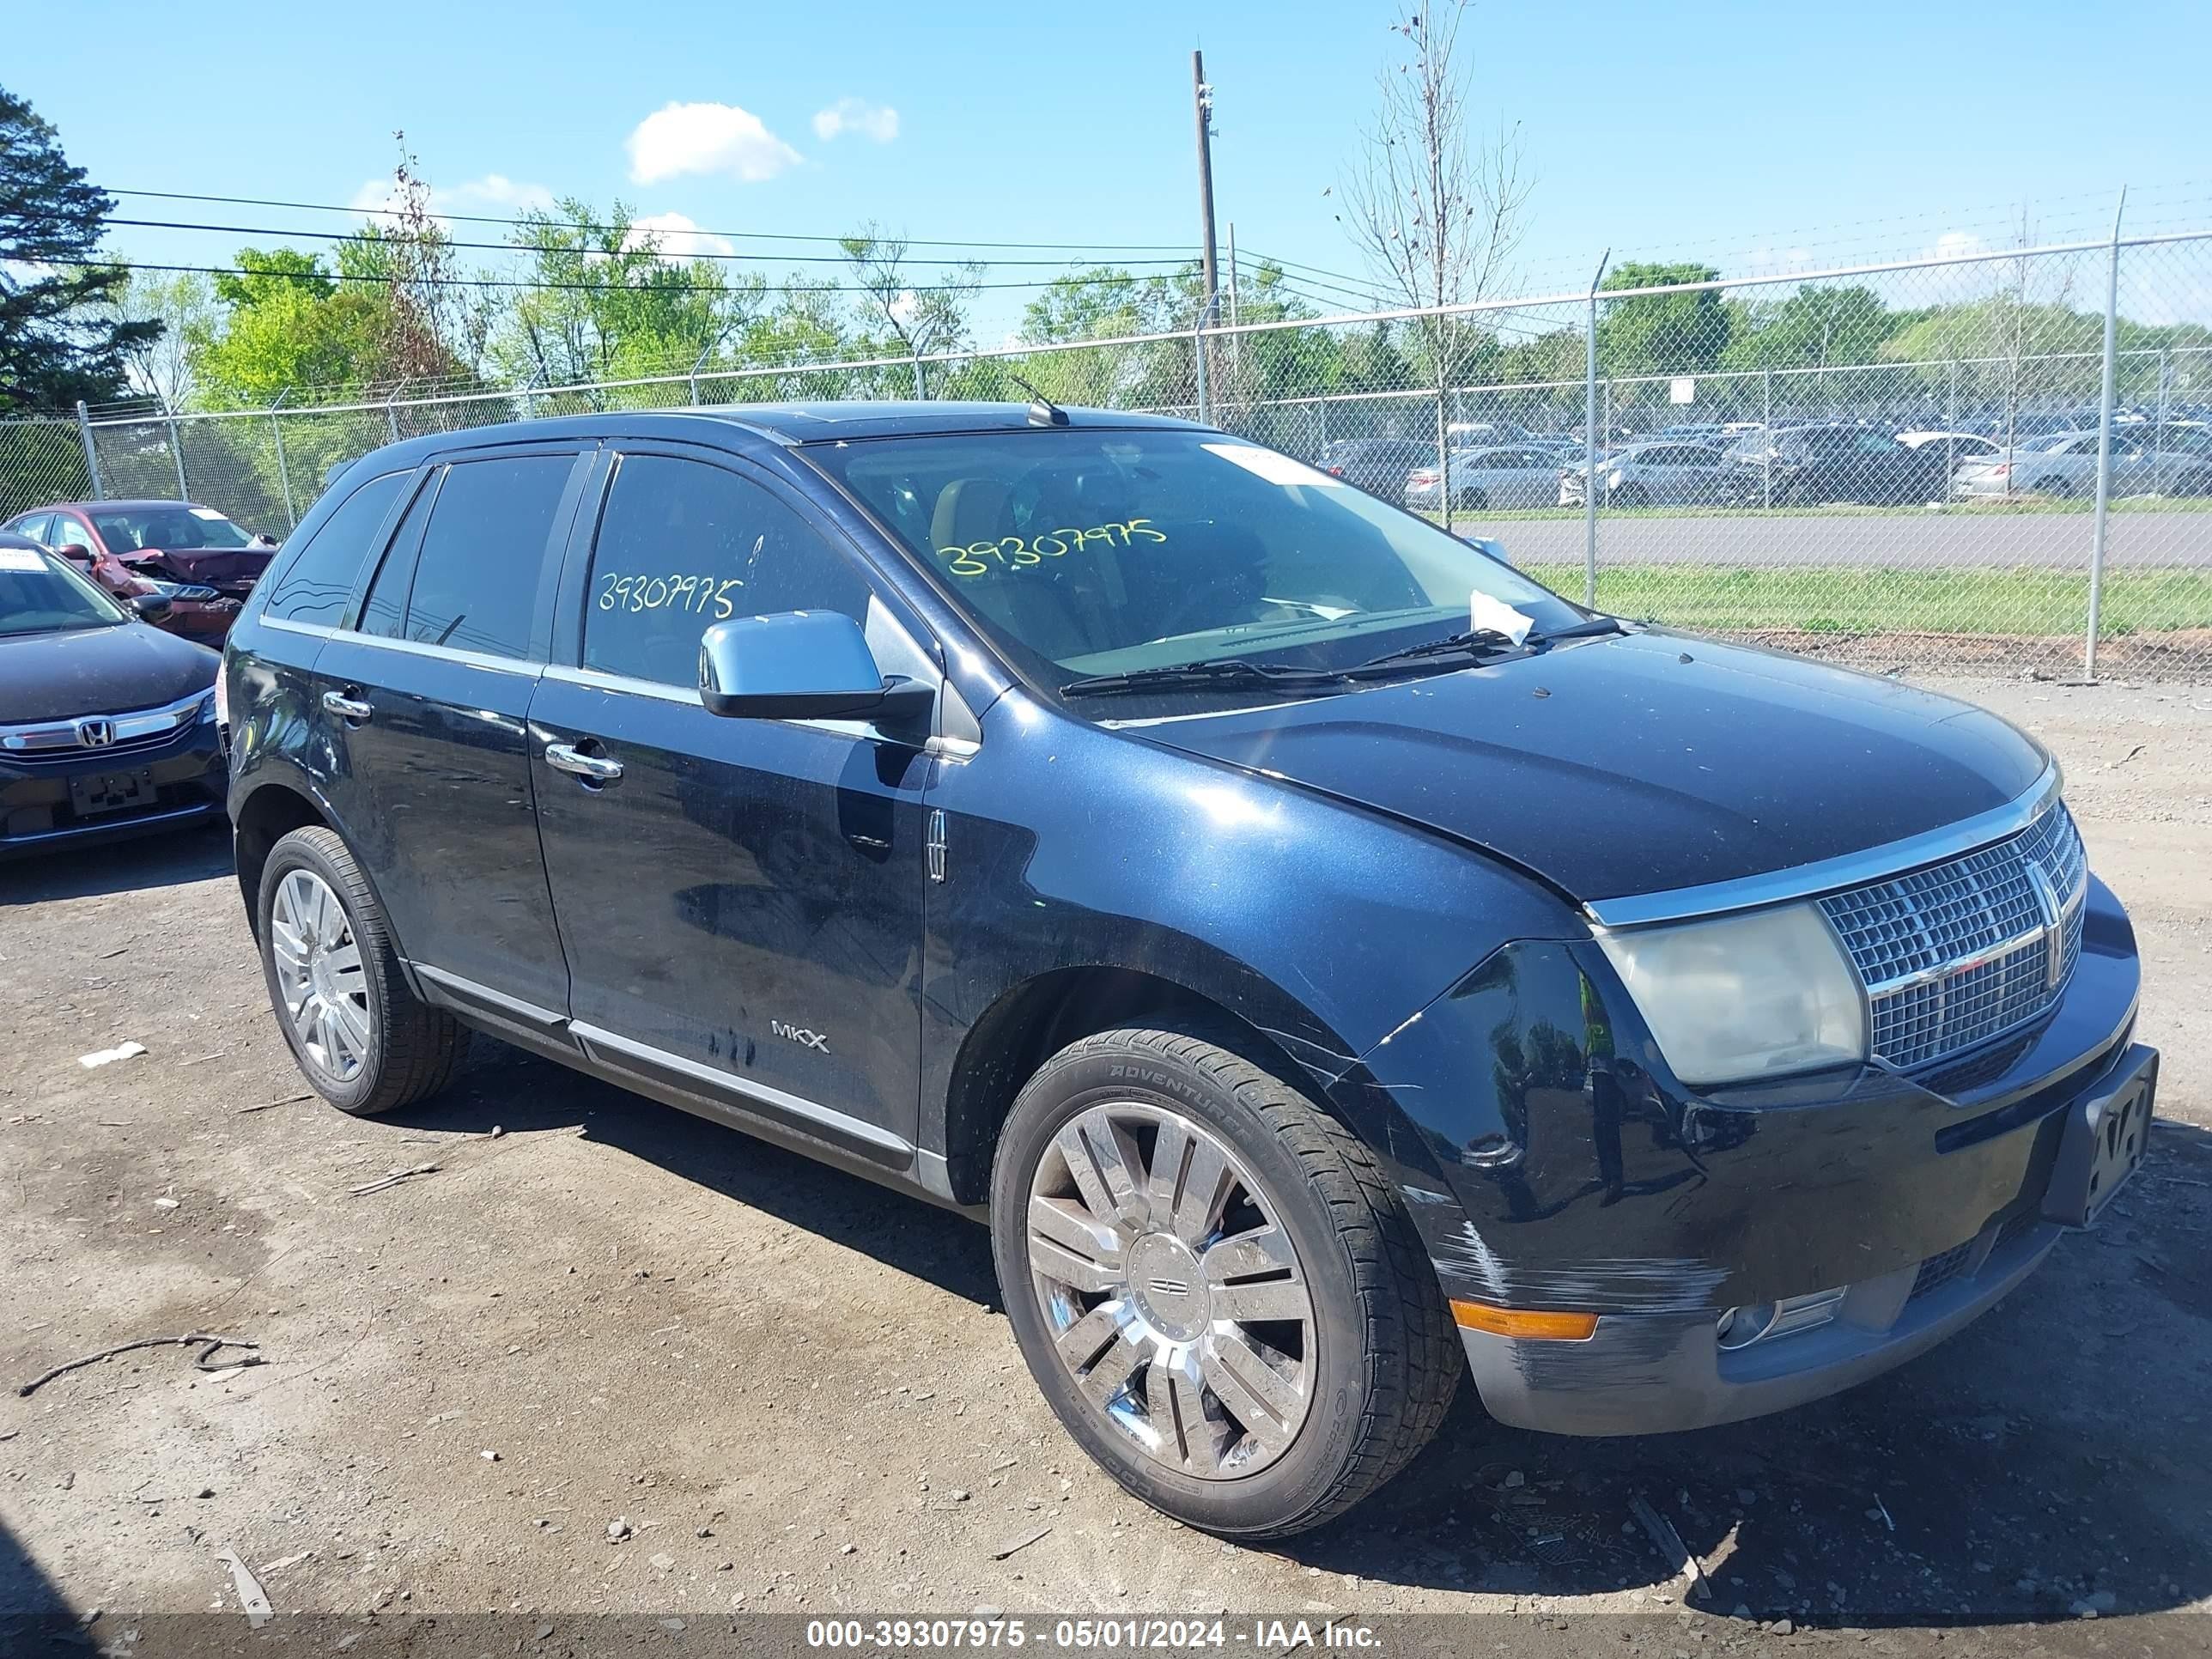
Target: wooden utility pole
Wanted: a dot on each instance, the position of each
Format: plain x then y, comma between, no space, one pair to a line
1202,100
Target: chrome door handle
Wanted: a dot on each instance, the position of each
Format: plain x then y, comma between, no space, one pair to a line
592,768
345,707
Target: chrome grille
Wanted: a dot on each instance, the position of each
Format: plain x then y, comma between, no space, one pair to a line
1959,951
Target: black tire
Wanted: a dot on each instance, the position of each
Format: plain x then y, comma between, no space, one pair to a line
413,1049
1473,499
1634,495
2053,486
1386,1358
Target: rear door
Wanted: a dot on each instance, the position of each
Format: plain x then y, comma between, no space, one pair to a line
423,698
742,897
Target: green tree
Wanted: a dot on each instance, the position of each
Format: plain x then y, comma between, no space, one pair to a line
1660,334
898,313
610,305
288,328
1815,327
61,338
184,304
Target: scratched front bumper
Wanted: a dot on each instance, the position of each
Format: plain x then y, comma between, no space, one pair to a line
1651,1373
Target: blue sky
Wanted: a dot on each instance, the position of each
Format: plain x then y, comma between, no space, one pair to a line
1746,134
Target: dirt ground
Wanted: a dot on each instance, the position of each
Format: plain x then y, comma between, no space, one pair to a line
789,1393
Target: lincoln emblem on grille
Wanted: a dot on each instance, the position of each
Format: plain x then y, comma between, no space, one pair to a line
2054,936
95,733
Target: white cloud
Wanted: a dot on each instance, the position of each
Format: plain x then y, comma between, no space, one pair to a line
676,235
876,121
684,138
493,194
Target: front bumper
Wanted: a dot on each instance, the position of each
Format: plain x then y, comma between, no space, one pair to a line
1566,1171
183,776
1646,1373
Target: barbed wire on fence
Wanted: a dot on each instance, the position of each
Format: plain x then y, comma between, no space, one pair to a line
1895,463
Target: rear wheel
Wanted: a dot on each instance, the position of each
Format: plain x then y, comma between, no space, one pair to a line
2053,486
360,1035
1213,1286
1472,498
1632,495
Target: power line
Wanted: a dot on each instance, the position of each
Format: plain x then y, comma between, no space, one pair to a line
573,224
580,288
656,231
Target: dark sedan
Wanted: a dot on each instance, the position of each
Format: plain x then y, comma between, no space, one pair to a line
190,555
1807,466
107,724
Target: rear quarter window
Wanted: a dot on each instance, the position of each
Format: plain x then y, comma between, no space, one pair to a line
317,583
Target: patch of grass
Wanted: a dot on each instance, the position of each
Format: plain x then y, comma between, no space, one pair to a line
1862,600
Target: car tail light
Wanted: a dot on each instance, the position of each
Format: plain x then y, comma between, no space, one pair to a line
1424,475
222,698
1336,472
2002,469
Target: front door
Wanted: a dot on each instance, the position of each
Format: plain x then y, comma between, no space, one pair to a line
423,704
742,898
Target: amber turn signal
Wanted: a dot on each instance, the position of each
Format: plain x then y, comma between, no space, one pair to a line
1521,1321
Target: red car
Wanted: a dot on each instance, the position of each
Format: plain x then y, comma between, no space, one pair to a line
192,555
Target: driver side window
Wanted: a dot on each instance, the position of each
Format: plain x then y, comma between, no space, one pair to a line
682,545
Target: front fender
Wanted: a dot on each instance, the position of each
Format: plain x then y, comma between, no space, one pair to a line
1319,925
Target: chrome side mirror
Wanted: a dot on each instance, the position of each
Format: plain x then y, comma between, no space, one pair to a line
803,664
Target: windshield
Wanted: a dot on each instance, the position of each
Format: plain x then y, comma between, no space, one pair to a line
1085,552
40,594
167,527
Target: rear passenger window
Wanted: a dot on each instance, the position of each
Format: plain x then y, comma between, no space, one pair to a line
483,553
682,545
316,585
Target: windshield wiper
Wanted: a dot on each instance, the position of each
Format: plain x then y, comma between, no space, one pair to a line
1477,641
1588,628
1224,672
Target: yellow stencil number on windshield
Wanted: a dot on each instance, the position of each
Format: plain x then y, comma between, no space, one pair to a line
1012,552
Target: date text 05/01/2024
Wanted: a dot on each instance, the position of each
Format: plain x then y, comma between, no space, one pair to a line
1080,1634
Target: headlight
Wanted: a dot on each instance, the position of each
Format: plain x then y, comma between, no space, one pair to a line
180,590
212,707
1744,997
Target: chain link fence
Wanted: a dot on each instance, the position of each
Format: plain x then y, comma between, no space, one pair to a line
1999,460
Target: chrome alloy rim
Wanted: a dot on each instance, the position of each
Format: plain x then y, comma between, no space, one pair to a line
1172,1289
318,973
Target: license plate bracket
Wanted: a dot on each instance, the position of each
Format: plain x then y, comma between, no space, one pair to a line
112,792
2105,1137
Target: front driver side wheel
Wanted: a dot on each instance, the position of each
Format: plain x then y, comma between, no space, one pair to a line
361,1038
1213,1285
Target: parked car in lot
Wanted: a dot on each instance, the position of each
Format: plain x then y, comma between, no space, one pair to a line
190,555
2066,464
1651,475
1515,475
1213,879
1806,465
1377,466
107,724
1959,445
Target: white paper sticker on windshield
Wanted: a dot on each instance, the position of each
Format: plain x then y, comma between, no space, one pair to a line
1275,469
22,559
1484,611
206,513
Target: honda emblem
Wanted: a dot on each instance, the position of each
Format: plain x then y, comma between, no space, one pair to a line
95,733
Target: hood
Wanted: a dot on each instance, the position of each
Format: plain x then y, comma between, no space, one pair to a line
1636,764
97,670
202,564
